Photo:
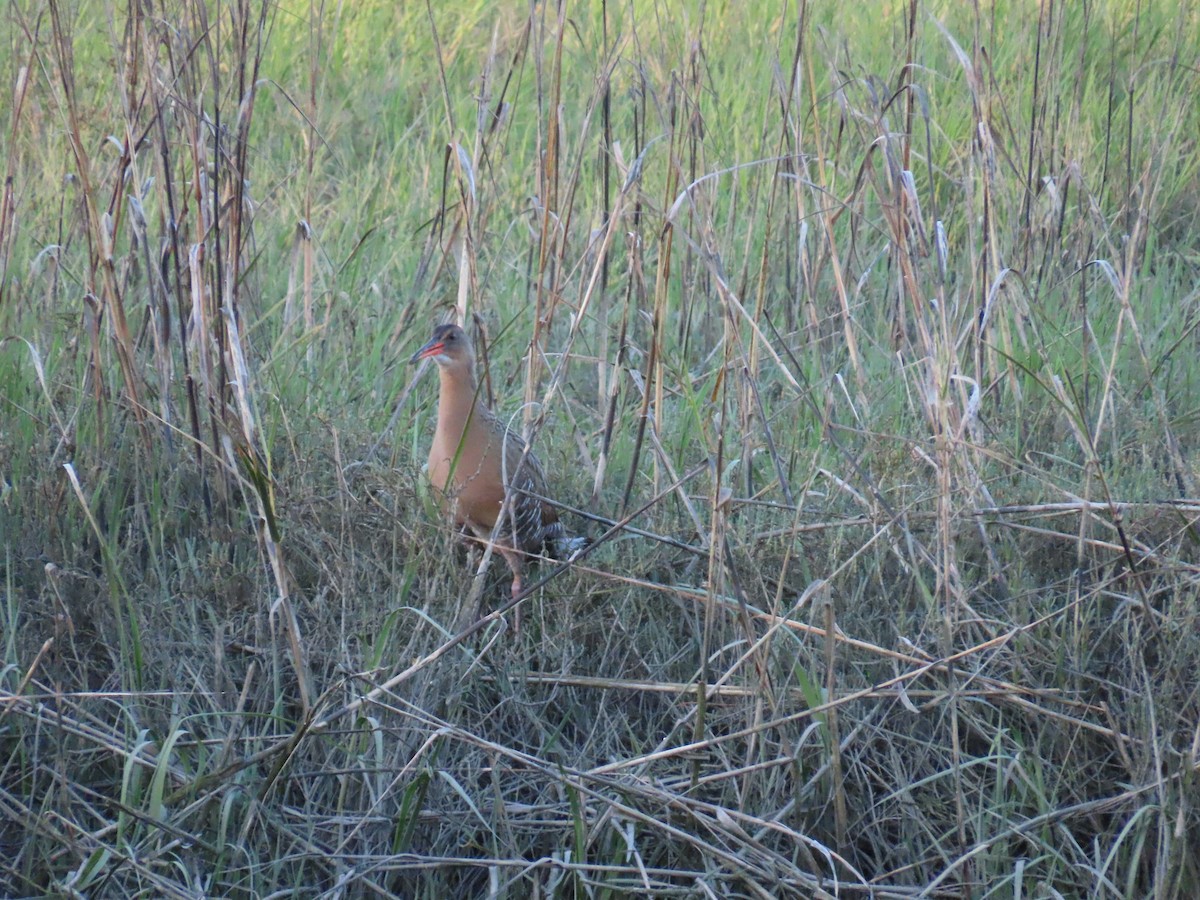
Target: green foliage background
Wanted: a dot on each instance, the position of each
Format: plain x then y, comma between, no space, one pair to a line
875,321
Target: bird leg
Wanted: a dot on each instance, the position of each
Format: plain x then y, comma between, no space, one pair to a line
515,563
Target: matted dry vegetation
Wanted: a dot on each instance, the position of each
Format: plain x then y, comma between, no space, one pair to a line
859,340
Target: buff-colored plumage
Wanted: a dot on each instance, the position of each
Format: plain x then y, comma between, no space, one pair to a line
475,461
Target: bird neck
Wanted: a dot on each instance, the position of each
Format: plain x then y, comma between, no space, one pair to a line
457,399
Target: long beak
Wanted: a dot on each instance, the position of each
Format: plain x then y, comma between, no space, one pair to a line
433,348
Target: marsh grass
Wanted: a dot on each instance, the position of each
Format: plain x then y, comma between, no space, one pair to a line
859,341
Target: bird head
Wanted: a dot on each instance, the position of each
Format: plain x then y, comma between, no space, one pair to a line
449,346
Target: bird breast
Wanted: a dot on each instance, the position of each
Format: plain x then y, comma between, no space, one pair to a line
466,471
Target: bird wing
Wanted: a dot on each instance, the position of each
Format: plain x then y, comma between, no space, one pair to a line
524,479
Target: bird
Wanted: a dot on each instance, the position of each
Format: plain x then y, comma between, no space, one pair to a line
476,463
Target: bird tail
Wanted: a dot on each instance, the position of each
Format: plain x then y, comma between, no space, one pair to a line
562,544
